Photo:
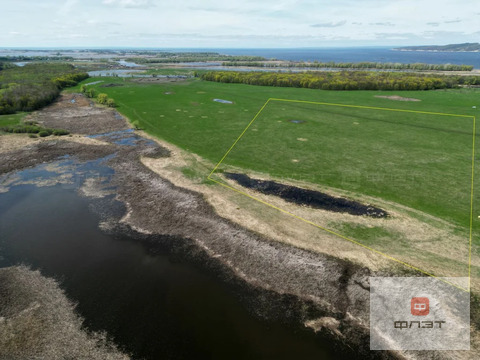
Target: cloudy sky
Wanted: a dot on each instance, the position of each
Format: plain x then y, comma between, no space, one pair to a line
237,23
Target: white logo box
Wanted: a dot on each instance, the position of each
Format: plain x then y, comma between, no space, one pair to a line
438,317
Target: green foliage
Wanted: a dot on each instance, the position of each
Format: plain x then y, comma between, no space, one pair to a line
22,58
181,57
358,65
22,129
90,93
33,136
31,127
136,125
33,86
344,80
68,80
60,132
102,98
105,100
11,119
30,123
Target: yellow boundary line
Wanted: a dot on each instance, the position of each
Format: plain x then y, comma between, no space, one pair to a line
471,209
340,235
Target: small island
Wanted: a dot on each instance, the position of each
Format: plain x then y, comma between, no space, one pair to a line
465,47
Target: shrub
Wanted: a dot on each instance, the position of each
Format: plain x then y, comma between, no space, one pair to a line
102,98
136,125
22,129
111,103
60,132
90,93
33,136
43,133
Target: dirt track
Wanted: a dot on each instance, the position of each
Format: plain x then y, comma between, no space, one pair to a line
338,289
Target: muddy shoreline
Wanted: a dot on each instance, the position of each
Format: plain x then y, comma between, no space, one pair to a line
325,293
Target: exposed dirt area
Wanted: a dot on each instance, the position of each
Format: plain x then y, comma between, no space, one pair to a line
160,200
80,116
37,152
396,98
111,85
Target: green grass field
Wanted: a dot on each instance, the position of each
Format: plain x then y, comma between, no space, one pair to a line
421,161
12,119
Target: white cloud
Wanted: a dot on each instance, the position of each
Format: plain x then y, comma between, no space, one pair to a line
237,23
139,4
452,21
329,24
382,24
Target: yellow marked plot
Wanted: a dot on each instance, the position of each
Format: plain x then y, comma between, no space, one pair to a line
411,266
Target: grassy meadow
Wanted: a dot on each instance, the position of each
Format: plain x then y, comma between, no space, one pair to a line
11,119
417,160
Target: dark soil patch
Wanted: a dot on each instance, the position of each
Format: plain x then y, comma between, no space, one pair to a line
110,85
314,199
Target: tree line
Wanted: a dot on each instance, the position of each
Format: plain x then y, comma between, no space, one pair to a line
34,86
344,80
349,65
21,58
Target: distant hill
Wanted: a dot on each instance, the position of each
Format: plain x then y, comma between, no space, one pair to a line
473,47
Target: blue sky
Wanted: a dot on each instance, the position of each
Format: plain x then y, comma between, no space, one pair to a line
236,24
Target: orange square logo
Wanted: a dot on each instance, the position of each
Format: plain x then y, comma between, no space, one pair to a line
420,306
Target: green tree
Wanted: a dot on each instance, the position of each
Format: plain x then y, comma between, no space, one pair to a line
102,98
110,102
90,93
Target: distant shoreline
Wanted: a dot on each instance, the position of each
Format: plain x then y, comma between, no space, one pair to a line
437,51
464,47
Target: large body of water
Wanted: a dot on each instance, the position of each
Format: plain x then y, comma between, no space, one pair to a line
154,302
350,54
375,54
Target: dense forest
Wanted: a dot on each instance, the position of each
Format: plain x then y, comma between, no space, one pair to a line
359,65
344,80
33,86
